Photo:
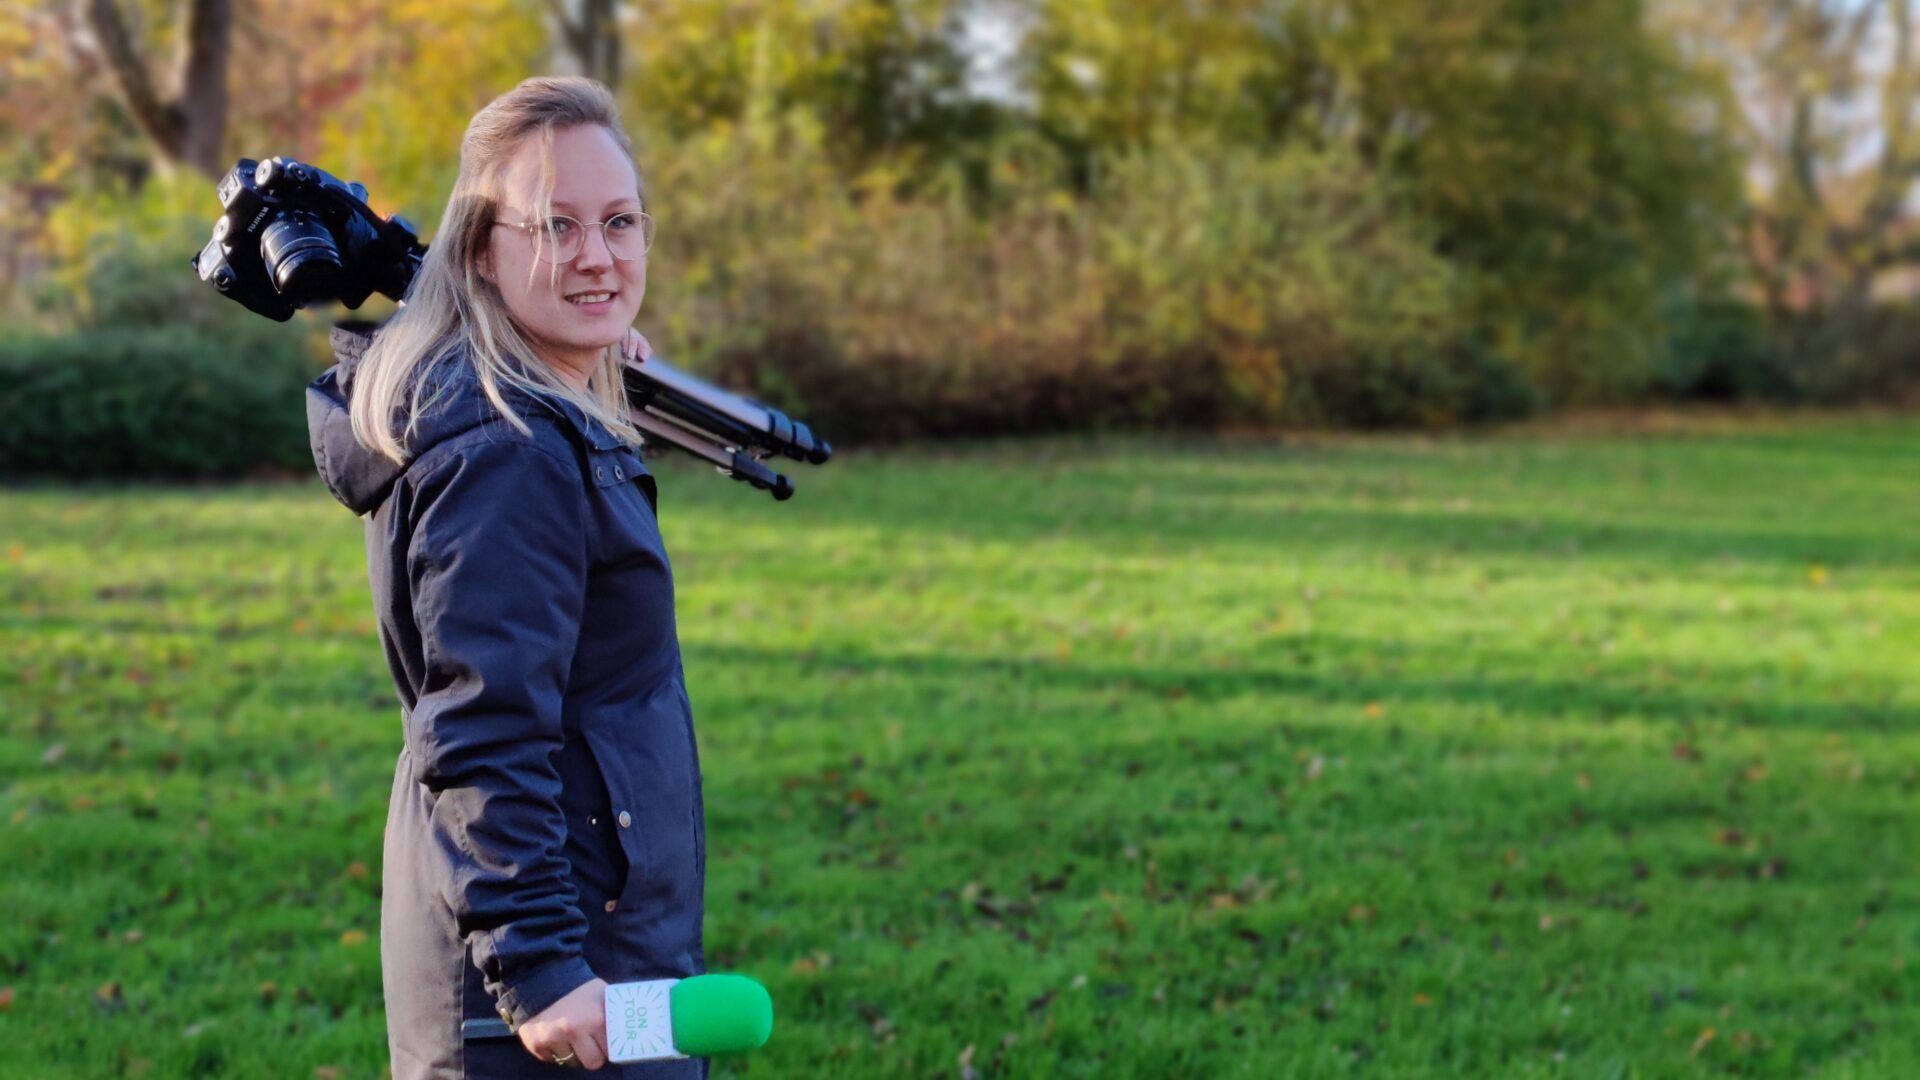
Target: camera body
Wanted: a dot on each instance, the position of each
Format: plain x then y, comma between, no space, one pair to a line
292,235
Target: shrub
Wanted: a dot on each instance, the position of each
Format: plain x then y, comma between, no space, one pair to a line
1721,350
150,402
1198,285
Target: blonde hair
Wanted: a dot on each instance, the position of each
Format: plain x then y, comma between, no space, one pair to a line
451,308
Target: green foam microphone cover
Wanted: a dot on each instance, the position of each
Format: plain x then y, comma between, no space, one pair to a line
720,1014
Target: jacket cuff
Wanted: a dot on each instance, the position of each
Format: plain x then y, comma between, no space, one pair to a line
529,995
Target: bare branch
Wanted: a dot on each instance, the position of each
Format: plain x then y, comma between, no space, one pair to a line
160,121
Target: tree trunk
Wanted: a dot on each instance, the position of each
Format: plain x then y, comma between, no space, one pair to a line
587,38
191,129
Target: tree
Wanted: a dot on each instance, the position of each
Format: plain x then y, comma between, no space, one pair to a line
1552,145
587,38
1827,92
190,128
882,75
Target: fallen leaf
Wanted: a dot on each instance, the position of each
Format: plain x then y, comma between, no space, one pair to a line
1699,1044
353,937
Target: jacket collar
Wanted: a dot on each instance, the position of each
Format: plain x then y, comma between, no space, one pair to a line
351,339
362,480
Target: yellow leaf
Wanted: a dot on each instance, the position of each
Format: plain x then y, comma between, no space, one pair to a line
353,937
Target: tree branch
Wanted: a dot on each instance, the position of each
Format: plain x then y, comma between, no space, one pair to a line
160,121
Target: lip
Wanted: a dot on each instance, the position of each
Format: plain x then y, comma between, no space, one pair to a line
600,308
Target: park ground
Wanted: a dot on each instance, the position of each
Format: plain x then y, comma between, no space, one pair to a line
1522,754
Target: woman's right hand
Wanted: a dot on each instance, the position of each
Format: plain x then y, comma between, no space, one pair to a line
576,1023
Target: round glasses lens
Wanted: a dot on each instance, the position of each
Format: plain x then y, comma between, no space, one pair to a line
629,236
556,240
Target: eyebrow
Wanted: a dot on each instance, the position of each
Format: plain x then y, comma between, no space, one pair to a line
621,201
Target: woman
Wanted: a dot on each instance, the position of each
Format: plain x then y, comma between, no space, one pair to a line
545,834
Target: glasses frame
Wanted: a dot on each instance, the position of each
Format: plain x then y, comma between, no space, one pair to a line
533,239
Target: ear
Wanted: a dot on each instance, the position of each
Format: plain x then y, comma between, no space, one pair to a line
484,264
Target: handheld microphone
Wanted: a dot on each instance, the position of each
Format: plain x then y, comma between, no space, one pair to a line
666,1019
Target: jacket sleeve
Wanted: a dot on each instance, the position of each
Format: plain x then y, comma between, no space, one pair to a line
497,562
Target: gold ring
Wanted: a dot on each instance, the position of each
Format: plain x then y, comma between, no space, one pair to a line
565,1060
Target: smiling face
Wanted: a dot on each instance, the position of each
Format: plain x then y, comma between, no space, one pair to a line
593,180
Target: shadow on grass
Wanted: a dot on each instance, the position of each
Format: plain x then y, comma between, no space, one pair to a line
1794,500
1542,697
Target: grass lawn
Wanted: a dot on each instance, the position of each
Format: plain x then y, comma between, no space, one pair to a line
1533,755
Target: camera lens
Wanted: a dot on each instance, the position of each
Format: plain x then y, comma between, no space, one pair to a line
302,259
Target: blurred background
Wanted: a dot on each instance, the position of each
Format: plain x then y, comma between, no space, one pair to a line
953,217
1368,537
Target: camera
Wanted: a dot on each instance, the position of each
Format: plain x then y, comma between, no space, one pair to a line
292,235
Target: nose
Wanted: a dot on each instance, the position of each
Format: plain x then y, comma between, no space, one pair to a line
594,251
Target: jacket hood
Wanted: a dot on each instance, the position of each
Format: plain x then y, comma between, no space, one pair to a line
359,478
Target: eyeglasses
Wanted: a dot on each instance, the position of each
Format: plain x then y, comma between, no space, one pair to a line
629,236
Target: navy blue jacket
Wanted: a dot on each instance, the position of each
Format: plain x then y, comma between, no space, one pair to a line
545,824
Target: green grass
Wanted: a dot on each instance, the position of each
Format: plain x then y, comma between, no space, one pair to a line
1555,756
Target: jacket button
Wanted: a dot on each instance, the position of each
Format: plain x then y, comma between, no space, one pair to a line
593,821
625,819
611,904
599,472
619,473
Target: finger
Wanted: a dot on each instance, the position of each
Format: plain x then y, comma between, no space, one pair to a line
592,1050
